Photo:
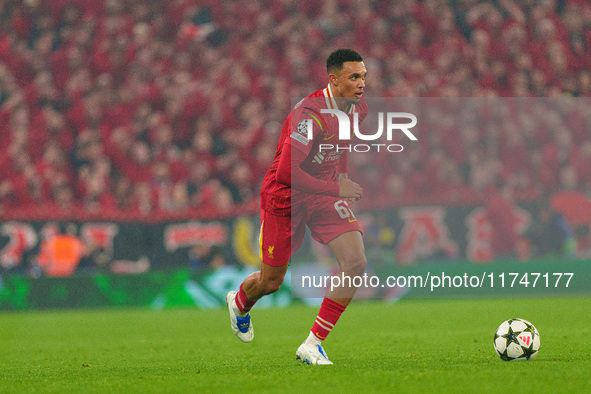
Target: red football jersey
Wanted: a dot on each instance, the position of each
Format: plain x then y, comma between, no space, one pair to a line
276,198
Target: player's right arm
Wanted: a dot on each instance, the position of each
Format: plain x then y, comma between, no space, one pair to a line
350,189
344,184
290,173
296,148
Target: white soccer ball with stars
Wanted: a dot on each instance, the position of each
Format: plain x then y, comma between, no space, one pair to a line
517,340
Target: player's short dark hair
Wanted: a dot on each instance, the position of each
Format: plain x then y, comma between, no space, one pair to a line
335,60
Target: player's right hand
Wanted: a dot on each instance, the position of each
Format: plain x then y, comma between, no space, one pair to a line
349,189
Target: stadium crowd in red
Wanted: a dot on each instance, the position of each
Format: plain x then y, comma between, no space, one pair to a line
153,109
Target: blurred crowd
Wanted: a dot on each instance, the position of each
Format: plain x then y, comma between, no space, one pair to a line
148,109
469,148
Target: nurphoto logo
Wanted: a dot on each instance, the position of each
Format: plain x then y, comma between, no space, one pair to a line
392,120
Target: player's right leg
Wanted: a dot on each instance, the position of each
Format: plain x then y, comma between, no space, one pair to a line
275,249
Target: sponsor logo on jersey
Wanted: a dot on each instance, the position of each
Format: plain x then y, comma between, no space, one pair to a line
324,156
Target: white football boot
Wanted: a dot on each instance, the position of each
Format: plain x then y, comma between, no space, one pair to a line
242,326
312,354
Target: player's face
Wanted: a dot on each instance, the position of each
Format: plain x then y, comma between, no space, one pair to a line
350,81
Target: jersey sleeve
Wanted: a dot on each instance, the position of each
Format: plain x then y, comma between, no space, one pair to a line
290,173
304,127
306,121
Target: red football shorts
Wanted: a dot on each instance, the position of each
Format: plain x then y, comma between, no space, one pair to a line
327,217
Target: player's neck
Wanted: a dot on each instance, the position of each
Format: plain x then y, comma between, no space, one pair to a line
341,102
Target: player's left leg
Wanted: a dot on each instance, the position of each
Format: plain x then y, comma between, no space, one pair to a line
350,253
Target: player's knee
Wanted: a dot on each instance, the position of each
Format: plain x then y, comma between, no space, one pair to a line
272,278
356,265
272,285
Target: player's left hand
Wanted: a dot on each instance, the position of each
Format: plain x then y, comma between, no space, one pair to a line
349,200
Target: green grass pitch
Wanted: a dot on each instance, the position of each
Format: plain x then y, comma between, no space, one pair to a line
409,346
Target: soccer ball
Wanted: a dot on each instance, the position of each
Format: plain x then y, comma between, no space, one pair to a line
517,340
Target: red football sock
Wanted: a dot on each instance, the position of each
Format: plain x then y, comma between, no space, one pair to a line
328,316
242,301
